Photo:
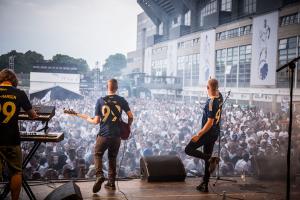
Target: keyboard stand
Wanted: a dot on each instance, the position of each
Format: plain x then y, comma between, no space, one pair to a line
24,182
49,112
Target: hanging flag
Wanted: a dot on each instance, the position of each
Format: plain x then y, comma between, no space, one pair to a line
46,98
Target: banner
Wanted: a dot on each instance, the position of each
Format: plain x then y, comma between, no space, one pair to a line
264,49
207,56
40,81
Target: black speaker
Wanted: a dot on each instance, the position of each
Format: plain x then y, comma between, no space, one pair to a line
162,168
67,191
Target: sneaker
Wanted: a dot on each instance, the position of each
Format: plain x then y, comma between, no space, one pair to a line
110,185
98,183
213,162
203,187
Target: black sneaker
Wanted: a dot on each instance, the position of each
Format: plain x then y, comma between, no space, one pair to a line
203,187
213,162
97,184
110,185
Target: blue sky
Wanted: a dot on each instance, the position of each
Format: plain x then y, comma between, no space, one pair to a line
88,29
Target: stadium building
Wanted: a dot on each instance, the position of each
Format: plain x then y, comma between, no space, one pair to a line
240,42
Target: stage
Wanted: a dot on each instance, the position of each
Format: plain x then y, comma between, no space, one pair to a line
251,189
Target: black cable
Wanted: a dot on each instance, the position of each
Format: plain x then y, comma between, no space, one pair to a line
124,150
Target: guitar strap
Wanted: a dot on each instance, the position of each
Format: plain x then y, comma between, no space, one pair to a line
112,107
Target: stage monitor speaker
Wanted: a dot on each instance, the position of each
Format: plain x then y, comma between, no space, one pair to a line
67,191
162,168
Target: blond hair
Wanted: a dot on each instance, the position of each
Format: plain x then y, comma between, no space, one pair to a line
214,84
112,85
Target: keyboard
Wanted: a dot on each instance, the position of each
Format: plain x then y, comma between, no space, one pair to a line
42,137
45,113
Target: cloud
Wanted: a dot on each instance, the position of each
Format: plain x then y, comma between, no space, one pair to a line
90,29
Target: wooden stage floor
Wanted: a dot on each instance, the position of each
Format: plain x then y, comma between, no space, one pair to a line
137,189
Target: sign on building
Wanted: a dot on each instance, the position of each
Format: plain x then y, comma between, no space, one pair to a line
264,49
207,56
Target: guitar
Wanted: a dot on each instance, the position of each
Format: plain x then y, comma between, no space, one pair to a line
124,127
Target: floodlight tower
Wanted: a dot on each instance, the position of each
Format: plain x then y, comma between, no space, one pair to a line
11,63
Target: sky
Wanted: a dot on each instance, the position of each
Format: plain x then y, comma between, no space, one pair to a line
88,29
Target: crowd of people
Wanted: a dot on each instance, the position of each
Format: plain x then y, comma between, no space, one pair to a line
160,127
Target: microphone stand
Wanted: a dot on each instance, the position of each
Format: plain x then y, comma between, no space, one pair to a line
219,151
291,66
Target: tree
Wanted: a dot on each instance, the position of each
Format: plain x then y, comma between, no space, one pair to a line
22,62
25,62
80,63
114,64
33,57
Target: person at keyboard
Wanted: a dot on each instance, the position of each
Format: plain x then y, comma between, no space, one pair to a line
11,100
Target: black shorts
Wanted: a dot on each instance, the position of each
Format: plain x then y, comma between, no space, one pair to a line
12,155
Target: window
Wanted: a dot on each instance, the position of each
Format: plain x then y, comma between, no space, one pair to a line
233,66
188,43
161,28
180,68
159,50
247,30
188,69
159,68
208,9
220,66
287,50
187,18
290,19
232,33
244,66
226,5
175,21
196,41
249,6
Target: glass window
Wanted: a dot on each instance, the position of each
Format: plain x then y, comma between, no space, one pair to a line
282,44
226,5
234,64
249,6
195,70
220,66
187,18
208,9
159,67
289,19
231,67
244,66
286,52
188,69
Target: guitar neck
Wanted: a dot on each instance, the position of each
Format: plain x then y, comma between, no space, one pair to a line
82,116
73,113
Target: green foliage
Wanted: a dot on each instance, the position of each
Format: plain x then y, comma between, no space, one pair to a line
114,64
24,62
80,63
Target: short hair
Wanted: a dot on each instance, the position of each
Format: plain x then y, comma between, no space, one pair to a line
114,84
8,75
213,83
